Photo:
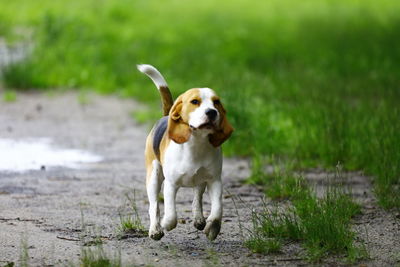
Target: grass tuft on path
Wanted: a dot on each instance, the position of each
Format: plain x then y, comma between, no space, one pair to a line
321,225
97,257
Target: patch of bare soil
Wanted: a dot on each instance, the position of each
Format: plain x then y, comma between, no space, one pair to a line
50,214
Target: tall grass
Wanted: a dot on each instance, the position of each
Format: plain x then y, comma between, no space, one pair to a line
315,81
322,226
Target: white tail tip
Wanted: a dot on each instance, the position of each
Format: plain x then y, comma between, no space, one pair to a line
154,74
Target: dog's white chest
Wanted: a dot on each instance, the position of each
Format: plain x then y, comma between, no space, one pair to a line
188,168
191,178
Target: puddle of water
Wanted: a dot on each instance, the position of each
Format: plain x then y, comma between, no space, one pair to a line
32,154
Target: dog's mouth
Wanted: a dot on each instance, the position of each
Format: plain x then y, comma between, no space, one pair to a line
208,125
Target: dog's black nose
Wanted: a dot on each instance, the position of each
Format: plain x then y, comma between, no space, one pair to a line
211,114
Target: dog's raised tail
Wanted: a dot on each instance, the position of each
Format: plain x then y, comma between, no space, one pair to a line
161,84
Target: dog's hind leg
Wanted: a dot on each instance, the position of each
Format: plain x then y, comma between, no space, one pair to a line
197,207
153,186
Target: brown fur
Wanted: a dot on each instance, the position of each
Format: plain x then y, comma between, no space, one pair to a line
224,130
178,127
163,146
149,156
166,99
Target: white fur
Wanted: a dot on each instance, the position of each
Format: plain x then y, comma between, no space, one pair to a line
198,116
153,73
153,187
197,164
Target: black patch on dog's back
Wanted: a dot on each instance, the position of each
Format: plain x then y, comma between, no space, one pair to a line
159,130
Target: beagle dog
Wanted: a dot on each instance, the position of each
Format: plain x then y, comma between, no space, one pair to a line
183,149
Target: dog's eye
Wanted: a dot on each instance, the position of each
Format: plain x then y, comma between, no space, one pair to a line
217,102
195,102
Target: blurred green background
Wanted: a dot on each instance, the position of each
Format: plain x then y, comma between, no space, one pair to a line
316,82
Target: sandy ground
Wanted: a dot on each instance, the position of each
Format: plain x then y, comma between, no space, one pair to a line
51,215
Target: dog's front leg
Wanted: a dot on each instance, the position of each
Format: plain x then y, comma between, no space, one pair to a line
213,225
197,206
169,220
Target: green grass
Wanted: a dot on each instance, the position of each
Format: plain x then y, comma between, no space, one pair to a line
314,81
97,257
322,226
24,252
93,252
146,115
131,222
9,96
263,245
281,183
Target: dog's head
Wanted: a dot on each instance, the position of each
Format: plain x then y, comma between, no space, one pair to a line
199,110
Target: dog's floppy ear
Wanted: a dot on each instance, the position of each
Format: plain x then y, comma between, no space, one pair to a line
224,130
178,130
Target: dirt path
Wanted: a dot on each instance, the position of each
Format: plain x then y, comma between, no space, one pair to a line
44,210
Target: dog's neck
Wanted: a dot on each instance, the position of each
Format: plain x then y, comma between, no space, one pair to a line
198,143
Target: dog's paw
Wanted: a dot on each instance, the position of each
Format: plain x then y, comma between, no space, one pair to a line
212,229
199,223
169,223
156,233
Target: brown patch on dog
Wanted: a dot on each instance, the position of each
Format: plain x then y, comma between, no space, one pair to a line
149,156
166,99
163,146
178,123
224,129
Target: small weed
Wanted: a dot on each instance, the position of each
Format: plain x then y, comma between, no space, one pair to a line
24,255
83,98
98,258
9,96
131,223
91,236
92,250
